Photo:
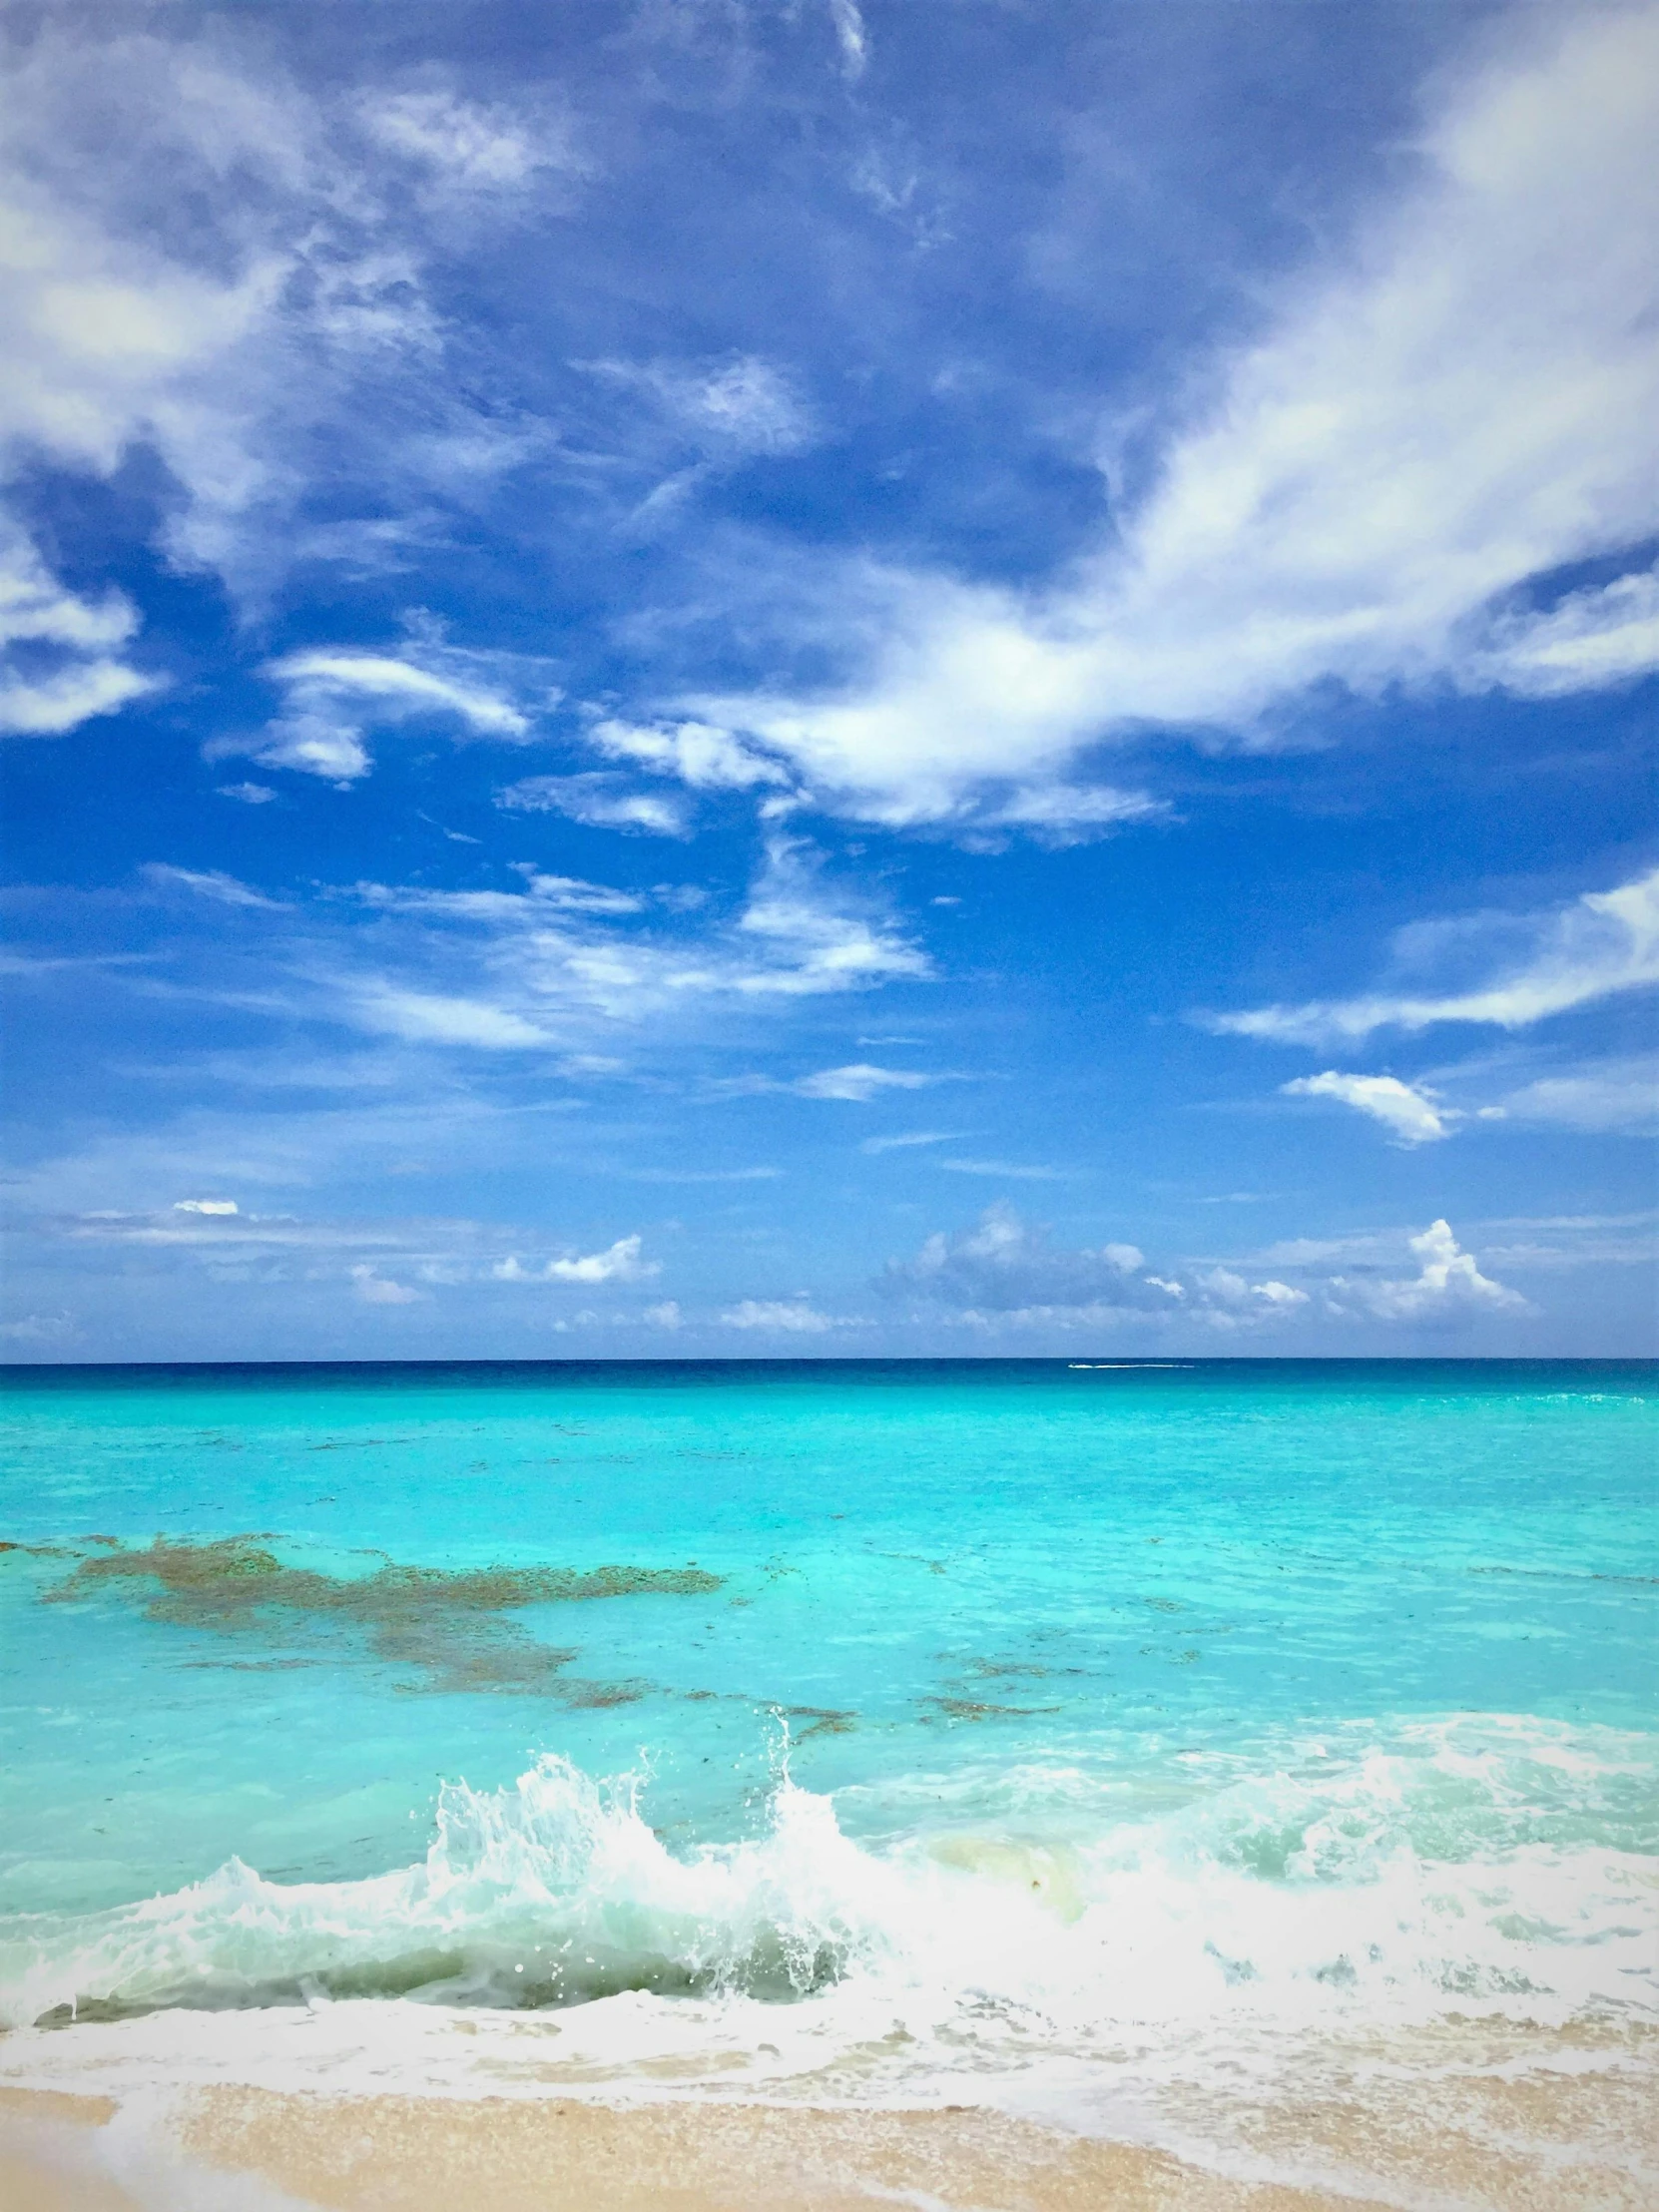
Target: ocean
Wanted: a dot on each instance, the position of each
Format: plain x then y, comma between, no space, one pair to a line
1090,1740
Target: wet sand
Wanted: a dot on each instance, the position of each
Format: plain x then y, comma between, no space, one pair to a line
1489,2139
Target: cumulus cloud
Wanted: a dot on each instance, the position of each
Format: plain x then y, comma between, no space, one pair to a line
618,1262
1603,943
1234,1294
1448,1286
1004,1272
224,1205
1462,402
1408,1111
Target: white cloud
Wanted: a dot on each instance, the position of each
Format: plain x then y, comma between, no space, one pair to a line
212,884
426,1017
542,896
49,705
859,1083
1234,1294
1408,1111
739,406
777,1315
251,794
601,802
1003,1263
377,1290
908,1138
247,281
665,1316
1612,1094
1604,942
402,686
550,965
1068,814
851,36
334,695
698,753
1463,401
468,144
205,1206
1004,1170
65,672
1588,640
619,1263
826,946
1448,1288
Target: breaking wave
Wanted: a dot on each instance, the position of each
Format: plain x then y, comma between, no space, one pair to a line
1507,1868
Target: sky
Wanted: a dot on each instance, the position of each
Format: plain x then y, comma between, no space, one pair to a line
755,678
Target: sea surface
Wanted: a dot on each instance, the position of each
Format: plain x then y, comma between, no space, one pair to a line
1030,1732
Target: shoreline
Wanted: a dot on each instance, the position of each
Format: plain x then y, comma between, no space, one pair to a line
1484,2116
274,2150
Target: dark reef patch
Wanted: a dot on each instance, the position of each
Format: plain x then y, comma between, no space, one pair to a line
451,1625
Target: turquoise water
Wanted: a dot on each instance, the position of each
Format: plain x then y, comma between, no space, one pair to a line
1062,1700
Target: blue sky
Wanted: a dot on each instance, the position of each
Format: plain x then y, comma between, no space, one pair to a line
707,678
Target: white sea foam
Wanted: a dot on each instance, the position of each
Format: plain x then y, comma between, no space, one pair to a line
1490,1868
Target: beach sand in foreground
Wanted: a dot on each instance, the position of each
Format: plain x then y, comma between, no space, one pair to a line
1493,2141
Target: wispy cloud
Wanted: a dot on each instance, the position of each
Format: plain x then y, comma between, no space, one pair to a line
1465,401
556,966
250,278
210,884
1006,1171
1604,942
861,1082
908,1138
335,696
1615,1094
59,665
601,800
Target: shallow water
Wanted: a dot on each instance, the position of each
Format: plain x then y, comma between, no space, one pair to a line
902,1729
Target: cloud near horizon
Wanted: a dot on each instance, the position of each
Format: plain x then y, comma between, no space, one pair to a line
1005,1273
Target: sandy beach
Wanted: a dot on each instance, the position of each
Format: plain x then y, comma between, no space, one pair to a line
1488,2118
